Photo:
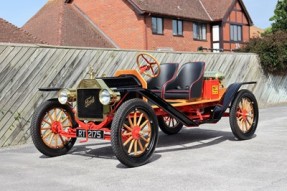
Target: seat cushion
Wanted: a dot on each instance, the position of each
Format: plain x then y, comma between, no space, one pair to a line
167,72
176,94
187,84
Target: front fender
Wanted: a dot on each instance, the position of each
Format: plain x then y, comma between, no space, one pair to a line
226,99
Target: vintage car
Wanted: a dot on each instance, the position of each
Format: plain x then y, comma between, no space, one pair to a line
127,109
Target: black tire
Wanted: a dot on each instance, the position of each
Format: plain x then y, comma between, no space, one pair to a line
244,115
171,127
45,139
134,145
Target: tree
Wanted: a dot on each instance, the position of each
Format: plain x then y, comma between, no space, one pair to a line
272,46
280,16
271,49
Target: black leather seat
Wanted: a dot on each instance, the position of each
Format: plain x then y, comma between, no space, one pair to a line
187,84
167,72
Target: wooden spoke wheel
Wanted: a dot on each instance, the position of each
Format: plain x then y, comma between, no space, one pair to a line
169,125
56,120
134,133
244,115
48,121
148,65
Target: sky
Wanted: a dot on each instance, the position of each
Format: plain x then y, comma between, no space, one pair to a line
18,12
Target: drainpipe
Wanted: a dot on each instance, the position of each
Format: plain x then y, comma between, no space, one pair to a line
145,33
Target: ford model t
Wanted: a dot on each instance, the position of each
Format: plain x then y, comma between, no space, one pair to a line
127,109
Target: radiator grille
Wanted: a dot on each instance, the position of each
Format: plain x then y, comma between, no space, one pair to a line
88,103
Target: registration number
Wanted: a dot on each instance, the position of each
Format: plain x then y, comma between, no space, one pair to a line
96,134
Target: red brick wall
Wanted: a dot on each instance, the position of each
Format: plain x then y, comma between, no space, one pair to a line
118,20
236,16
178,43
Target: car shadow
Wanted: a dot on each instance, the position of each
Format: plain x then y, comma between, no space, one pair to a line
186,139
202,138
189,139
94,150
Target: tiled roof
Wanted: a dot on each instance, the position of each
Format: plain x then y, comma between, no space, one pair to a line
190,9
205,10
217,9
11,34
63,24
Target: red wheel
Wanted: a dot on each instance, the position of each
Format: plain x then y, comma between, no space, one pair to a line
49,119
169,125
134,133
56,120
244,115
148,65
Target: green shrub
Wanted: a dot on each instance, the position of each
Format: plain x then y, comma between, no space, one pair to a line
272,50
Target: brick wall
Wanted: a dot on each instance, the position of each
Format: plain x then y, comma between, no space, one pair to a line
236,17
117,20
178,43
128,30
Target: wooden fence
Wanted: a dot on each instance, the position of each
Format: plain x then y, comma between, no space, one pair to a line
25,68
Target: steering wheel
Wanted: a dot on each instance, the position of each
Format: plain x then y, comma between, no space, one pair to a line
147,62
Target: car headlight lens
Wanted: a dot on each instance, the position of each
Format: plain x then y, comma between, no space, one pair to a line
63,96
105,97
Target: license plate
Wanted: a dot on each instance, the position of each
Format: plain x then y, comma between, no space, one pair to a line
94,134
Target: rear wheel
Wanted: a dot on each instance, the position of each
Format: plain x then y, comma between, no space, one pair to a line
169,125
244,115
134,133
49,119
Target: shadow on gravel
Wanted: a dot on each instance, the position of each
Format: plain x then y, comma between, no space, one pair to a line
200,138
153,158
196,137
96,150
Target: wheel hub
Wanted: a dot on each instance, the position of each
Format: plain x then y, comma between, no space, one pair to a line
244,114
136,132
56,126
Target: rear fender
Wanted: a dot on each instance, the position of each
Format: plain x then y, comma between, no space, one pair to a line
227,98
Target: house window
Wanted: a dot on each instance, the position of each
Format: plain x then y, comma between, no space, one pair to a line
199,31
177,27
236,33
157,25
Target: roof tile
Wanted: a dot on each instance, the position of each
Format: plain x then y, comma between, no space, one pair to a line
12,34
190,9
217,10
59,23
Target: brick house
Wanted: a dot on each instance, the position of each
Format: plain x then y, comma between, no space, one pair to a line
180,25
9,33
62,24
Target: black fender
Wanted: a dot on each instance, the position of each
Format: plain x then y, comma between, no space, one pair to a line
227,98
53,99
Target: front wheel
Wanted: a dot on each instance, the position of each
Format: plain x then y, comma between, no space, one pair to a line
134,133
244,115
49,119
